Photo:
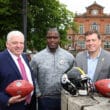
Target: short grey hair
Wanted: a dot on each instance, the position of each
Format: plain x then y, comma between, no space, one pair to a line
12,33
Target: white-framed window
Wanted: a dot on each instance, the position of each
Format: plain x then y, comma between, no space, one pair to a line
107,29
81,29
94,26
81,44
107,44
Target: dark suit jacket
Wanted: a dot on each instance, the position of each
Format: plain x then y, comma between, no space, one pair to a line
8,73
103,66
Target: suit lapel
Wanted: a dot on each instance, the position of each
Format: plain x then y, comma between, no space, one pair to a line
84,61
13,65
15,68
99,66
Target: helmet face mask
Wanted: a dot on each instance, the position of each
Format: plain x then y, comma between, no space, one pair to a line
75,82
70,88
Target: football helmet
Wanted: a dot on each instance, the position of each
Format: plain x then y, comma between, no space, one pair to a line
76,82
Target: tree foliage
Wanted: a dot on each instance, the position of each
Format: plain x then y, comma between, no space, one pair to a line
41,14
10,18
10,15
48,13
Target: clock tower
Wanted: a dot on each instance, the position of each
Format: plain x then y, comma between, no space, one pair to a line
93,19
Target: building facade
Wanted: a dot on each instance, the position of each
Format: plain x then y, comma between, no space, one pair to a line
93,19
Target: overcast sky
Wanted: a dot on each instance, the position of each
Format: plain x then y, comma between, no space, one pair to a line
79,6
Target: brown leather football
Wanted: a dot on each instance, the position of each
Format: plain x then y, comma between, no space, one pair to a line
19,87
103,87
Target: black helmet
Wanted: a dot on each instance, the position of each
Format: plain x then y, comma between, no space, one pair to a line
76,81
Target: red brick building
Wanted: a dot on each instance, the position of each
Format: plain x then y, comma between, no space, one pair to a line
94,18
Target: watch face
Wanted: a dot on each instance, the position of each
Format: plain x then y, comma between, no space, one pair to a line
94,12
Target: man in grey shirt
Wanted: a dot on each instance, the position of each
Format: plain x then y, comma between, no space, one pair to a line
48,66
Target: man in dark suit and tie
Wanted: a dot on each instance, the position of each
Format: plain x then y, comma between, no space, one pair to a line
10,71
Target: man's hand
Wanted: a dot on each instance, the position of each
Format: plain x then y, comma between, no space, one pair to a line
16,99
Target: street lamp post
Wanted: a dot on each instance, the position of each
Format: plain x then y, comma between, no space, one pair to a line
25,21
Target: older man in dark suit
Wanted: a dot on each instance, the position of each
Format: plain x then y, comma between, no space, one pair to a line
10,71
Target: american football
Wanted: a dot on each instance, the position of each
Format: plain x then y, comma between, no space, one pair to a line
19,87
103,87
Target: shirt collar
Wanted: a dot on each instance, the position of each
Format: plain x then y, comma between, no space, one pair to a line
12,55
88,56
55,51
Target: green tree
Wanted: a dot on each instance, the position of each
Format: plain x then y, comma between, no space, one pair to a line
41,14
10,18
45,14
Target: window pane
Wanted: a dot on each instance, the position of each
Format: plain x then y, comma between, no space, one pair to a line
94,26
81,44
81,29
107,29
106,44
